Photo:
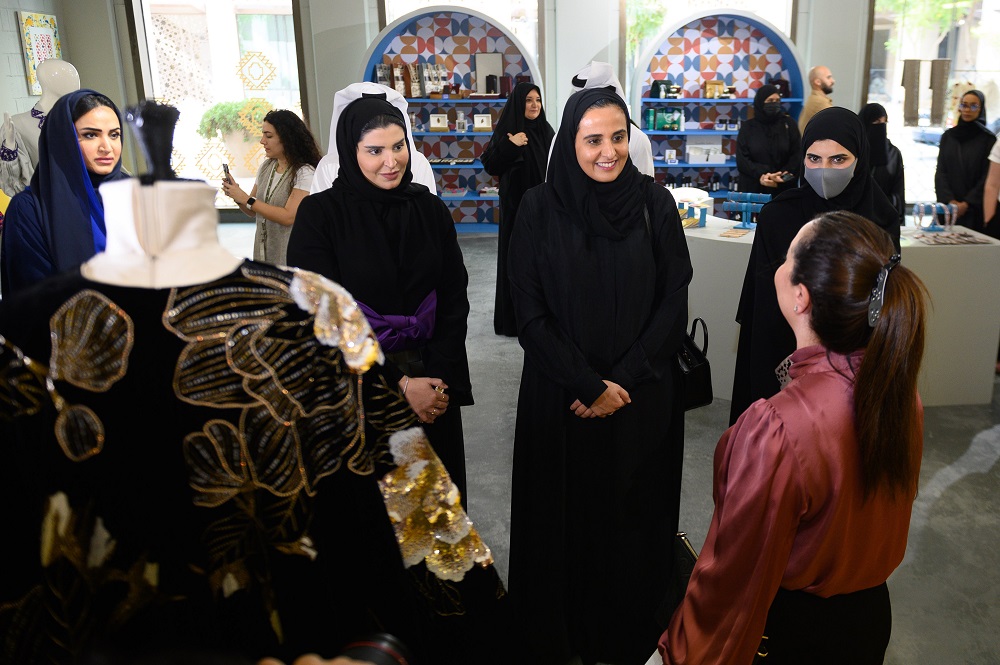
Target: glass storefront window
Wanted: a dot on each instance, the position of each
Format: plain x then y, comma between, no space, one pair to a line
223,64
966,33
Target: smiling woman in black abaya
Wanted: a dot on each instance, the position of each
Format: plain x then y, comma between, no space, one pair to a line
837,176
517,154
599,270
393,245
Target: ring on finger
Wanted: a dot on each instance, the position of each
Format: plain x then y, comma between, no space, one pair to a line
433,412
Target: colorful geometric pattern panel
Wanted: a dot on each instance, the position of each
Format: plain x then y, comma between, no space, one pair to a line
452,39
729,48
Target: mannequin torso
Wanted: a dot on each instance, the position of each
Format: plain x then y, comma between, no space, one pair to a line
160,236
21,131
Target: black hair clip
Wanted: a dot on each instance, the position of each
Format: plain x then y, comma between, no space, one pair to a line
877,299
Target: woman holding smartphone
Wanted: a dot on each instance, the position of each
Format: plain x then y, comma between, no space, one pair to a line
283,180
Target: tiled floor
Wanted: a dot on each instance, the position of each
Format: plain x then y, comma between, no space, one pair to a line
946,594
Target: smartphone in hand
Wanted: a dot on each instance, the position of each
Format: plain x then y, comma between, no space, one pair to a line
225,171
786,177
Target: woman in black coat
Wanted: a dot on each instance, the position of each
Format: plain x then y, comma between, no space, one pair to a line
962,161
886,159
517,154
767,147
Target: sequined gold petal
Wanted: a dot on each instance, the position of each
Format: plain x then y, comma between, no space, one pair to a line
324,440
273,452
80,432
338,319
91,341
22,383
216,462
202,311
425,510
204,377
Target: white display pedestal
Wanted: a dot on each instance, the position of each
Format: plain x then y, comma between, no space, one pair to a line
963,319
719,267
963,322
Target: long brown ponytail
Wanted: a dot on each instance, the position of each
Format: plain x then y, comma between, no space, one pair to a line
839,263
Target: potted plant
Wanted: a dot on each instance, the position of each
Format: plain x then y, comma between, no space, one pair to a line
238,125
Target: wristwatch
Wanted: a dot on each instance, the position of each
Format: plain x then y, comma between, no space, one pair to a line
250,202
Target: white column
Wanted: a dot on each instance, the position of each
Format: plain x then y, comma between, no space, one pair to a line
834,34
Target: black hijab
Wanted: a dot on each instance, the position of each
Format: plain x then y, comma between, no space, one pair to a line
963,131
775,130
878,142
604,209
67,193
763,92
539,132
350,178
843,126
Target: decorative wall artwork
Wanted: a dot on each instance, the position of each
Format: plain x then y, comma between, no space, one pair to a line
40,40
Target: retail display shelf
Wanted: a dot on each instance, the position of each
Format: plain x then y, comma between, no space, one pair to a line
688,132
660,164
456,100
469,134
470,197
475,164
711,100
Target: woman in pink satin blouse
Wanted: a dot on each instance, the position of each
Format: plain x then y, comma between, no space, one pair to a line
813,487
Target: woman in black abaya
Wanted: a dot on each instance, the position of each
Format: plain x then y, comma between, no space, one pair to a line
599,270
393,245
516,154
886,161
837,176
767,147
962,161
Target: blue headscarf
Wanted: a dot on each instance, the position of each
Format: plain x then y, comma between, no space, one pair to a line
72,212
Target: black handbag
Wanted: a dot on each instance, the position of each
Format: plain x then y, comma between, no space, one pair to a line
696,384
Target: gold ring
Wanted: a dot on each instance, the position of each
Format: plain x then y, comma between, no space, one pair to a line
433,412
439,389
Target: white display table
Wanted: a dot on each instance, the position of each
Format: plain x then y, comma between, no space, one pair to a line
963,321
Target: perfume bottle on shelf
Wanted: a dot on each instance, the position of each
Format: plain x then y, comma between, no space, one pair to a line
461,124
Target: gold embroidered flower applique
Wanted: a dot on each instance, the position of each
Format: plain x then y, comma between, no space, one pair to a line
91,341
427,516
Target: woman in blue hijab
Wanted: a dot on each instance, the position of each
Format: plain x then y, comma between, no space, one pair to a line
57,222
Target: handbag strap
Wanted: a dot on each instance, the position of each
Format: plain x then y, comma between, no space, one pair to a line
704,333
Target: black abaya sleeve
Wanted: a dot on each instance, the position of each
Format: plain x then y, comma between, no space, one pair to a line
942,186
445,355
745,159
500,155
309,244
544,343
651,355
794,162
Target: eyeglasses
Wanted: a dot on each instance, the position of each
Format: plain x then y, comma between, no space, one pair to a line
969,107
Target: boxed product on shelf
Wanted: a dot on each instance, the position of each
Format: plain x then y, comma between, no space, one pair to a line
705,150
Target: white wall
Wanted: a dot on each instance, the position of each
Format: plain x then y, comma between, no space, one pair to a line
14,95
835,34
338,34
578,32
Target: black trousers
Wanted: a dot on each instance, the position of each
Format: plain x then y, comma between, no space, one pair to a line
805,629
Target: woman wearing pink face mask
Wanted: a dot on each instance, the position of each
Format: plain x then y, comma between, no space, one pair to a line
836,175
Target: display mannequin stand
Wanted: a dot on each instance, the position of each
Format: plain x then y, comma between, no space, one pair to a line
162,231
20,132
